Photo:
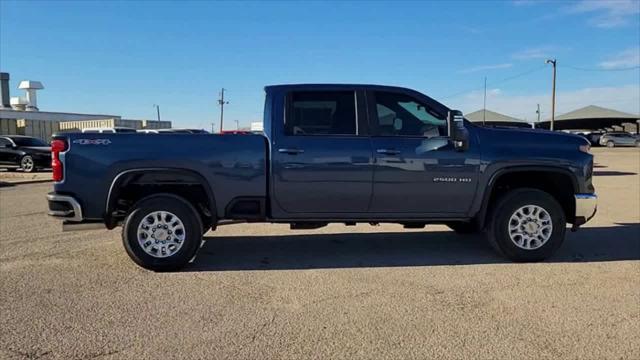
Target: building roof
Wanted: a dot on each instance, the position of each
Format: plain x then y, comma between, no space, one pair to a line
492,116
595,112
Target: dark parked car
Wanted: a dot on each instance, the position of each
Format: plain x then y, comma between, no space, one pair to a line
24,152
329,154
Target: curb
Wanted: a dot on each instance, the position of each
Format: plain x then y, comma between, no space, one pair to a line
24,182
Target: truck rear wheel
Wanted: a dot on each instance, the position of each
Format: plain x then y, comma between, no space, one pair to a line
527,225
162,232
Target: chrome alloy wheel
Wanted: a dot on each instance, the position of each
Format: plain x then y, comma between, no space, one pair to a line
27,164
161,234
530,227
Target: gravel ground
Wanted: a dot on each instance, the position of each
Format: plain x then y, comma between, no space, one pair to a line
262,291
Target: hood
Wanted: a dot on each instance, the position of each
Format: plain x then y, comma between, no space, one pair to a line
42,149
530,142
526,134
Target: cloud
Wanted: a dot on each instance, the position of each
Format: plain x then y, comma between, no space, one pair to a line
623,98
625,59
524,2
541,52
485,67
608,13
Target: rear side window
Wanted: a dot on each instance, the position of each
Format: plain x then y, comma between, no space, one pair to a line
321,113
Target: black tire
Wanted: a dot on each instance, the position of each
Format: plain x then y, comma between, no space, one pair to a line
464,227
175,205
27,164
610,144
498,229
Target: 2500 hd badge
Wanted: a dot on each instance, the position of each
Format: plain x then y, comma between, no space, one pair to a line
451,179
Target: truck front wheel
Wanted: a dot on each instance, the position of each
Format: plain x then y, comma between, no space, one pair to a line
162,232
527,225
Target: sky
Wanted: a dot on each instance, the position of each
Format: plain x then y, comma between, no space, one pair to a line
121,58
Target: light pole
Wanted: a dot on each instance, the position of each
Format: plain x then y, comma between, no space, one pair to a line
553,92
484,105
157,110
237,124
222,103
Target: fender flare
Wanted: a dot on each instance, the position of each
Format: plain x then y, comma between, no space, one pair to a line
122,176
484,207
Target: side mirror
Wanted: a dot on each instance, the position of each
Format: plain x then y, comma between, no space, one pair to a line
457,131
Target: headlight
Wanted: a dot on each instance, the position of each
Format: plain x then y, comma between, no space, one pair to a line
585,148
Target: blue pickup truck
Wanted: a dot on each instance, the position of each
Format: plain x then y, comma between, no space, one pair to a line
329,154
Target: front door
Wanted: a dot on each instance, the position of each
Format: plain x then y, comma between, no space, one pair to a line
418,171
322,162
7,152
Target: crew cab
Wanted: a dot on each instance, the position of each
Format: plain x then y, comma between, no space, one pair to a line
329,154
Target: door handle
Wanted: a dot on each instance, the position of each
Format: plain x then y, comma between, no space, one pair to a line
290,151
388,151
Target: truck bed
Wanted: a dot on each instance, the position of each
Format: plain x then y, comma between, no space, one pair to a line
234,165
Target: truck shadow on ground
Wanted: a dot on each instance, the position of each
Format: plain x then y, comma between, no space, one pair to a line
613,173
355,250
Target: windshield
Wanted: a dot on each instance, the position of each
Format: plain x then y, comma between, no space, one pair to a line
29,142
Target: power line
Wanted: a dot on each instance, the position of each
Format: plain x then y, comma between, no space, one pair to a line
599,69
499,81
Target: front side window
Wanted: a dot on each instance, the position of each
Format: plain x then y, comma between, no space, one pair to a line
402,115
321,113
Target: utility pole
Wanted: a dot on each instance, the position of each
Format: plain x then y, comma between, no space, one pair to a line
157,110
222,103
553,92
237,124
213,131
538,113
484,106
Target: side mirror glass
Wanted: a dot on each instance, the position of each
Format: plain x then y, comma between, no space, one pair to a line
457,131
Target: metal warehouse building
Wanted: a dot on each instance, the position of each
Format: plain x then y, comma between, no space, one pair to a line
492,118
595,118
20,115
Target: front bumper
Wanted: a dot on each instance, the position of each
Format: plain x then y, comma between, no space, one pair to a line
65,207
586,207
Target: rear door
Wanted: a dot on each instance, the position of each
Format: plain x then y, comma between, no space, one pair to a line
418,172
322,158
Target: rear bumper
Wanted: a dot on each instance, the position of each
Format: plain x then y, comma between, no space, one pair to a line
65,207
586,207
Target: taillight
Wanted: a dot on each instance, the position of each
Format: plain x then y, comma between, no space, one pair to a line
57,146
